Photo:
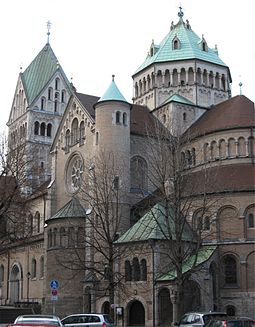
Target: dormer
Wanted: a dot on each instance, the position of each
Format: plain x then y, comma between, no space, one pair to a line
203,44
176,43
153,49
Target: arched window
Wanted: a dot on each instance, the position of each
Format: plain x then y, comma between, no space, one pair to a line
197,220
136,274
251,147
49,128
139,173
206,223
143,269
214,152
62,237
117,117
231,148
82,132
97,138
33,268
41,266
68,139
222,149
71,237
74,131
230,310
42,129
184,116
37,222
124,119
175,44
230,270
250,220
54,237
1,274
188,158
57,83
128,271
241,147
206,152
63,96
50,93
43,103
36,128
50,238
55,105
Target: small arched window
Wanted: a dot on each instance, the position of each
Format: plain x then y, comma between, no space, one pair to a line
128,271
143,270
206,224
250,220
33,268
43,103
74,131
50,238
117,117
175,44
184,116
57,83
139,173
124,119
230,270
36,128
136,274
37,222
230,310
68,139
54,237
49,128
41,266
55,105
97,138
63,96
82,132
62,237
42,129
50,92
1,274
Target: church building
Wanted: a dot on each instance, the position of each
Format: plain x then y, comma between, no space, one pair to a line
96,212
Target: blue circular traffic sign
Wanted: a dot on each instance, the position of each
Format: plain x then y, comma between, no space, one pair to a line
54,284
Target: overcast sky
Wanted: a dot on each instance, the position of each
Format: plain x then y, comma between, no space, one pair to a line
94,39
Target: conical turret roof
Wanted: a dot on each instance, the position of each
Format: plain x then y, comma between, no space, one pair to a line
190,46
112,93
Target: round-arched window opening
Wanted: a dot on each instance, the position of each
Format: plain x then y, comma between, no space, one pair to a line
74,172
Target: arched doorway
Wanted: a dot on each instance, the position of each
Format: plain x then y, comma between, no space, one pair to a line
106,307
15,284
165,307
136,316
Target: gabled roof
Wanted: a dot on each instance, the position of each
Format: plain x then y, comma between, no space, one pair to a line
190,47
153,225
112,93
73,209
177,98
236,112
39,72
204,254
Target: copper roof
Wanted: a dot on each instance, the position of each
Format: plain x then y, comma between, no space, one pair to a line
235,112
225,178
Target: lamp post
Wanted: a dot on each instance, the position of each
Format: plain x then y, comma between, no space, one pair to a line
152,244
28,278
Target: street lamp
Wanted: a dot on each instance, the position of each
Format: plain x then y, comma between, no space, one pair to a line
28,278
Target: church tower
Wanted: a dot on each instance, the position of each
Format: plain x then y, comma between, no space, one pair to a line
182,64
40,99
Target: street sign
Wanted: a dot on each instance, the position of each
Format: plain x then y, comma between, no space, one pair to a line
54,298
54,284
54,292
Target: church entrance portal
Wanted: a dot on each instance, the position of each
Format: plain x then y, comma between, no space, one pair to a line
136,316
15,284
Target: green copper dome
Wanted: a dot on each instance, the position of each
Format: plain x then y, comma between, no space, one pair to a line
112,93
181,43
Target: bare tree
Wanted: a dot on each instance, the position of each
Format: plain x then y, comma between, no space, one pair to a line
103,194
186,208
14,204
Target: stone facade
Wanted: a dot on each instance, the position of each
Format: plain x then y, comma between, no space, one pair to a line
190,97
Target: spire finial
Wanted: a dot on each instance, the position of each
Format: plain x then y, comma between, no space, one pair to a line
180,13
113,77
240,85
48,33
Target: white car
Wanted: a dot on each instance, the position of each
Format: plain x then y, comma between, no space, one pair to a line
88,319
